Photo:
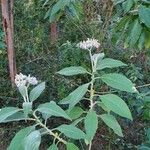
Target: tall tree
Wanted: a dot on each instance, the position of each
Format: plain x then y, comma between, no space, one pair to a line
8,27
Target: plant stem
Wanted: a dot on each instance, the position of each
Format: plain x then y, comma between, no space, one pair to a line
27,97
92,90
90,145
48,130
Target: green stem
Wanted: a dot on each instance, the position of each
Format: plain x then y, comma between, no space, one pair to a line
48,130
27,97
92,90
90,145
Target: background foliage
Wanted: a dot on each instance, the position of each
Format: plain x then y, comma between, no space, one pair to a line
124,33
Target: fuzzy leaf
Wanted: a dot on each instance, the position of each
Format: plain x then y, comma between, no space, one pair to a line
71,131
111,122
91,124
109,63
135,33
32,141
70,71
144,14
75,113
53,109
117,105
18,140
119,82
7,112
71,146
36,92
74,97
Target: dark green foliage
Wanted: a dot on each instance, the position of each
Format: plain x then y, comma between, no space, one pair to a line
127,39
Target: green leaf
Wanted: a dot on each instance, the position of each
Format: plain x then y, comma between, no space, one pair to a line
91,124
122,23
36,92
59,6
103,106
117,105
148,134
15,117
109,63
53,147
111,122
27,108
119,82
146,99
127,5
141,40
147,39
7,112
144,14
135,33
74,97
32,141
17,141
52,109
144,147
71,146
71,131
75,113
22,89
77,121
70,71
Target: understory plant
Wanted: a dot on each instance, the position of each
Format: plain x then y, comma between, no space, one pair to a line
81,123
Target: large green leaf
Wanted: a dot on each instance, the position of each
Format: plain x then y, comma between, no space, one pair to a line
36,92
15,117
109,63
117,105
91,124
18,140
111,122
144,14
7,112
59,6
32,141
53,147
71,131
119,82
71,146
135,32
53,109
70,71
23,90
74,97
75,113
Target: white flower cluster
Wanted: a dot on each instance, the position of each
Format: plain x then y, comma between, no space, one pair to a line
21,80
89,43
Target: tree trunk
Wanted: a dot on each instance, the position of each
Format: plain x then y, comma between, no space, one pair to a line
8,27
54,35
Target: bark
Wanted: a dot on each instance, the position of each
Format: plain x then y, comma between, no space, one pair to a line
54,35
7,18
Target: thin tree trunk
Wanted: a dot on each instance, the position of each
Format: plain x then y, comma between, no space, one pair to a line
7,17
54,35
